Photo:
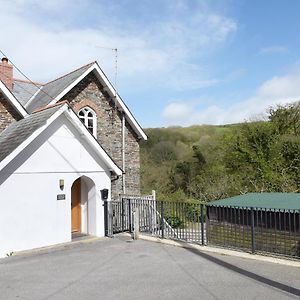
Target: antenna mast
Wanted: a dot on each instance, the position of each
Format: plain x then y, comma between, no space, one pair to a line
116,70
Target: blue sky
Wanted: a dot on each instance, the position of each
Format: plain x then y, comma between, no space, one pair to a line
179,62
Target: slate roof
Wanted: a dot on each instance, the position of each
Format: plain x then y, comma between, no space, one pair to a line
14,135
24,90
269,201
53,88
36,96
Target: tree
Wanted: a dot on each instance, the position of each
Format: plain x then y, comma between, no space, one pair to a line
286,118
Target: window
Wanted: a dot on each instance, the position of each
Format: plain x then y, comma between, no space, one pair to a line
89,119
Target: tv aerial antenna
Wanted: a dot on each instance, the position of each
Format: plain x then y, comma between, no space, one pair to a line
115,50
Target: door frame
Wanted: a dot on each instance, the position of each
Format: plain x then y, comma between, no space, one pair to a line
76,217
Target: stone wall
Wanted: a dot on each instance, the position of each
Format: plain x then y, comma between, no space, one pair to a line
7,114
132,160
89,92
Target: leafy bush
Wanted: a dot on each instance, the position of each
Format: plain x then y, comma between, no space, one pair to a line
174,221
214,162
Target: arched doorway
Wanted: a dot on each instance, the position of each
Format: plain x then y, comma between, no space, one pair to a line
76,206
83,206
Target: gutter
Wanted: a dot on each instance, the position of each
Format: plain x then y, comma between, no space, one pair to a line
123,154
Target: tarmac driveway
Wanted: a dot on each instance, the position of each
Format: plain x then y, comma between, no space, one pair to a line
119,268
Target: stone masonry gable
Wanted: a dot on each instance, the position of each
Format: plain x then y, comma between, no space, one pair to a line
132,157
90,92
7,114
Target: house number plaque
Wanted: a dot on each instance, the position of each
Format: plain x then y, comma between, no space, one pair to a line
61,197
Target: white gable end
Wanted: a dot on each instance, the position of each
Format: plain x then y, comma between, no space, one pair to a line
35,208
60,149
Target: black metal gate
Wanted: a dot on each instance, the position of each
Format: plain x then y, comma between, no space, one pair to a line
164,219
253,230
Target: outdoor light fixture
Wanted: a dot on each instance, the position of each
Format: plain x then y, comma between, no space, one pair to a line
61,184
104,194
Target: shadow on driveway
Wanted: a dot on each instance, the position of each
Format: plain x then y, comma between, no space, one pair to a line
246,273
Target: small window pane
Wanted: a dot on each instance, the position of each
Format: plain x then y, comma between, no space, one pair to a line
88,118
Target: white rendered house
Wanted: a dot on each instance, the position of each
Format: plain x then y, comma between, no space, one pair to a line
65,145
52,172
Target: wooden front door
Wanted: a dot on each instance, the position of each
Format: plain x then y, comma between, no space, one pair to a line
76,206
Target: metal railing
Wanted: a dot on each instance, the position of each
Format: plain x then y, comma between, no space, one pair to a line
254,230
164,219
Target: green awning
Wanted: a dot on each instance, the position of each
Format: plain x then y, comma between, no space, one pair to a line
269,201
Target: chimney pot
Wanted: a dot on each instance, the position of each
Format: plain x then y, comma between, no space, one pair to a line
6,73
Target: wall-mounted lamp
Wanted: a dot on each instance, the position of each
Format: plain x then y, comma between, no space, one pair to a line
61,184
104,194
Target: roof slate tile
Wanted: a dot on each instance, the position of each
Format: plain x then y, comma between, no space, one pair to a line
18,132
53,88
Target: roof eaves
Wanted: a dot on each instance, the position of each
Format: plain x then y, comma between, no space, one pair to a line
261,201
13,100
133,122
50,106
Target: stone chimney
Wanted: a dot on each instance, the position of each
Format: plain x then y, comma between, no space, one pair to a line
6,73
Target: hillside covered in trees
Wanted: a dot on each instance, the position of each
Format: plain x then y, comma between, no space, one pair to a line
214,162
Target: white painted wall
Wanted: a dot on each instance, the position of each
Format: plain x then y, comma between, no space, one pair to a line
88,206
30,214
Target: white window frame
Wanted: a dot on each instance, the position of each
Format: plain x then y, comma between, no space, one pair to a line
85,118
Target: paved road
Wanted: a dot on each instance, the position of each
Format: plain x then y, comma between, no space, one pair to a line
122,269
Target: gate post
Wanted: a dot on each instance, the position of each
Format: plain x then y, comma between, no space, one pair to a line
202,224
129,215
106,218
122,212
153,195
162,220
136,223
252,231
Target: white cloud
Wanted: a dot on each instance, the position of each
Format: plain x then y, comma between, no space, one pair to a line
44,44
177,112
274,50
277,90
220,27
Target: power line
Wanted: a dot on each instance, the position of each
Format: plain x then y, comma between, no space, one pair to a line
40,88
16,83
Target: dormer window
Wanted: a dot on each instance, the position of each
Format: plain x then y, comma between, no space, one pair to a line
89,119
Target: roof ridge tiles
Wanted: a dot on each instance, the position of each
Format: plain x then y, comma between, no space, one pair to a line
50,106
89,64
28,81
